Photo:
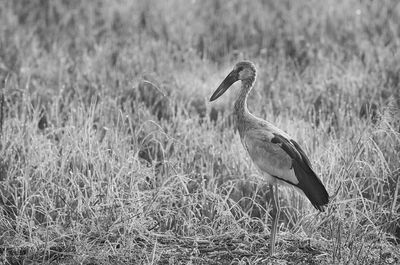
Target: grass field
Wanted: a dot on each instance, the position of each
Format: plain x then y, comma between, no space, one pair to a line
110,152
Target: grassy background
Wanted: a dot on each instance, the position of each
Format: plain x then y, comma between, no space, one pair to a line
111,153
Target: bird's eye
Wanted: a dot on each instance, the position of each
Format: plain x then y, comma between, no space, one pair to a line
240,68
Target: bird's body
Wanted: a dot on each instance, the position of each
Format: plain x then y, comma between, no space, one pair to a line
268,157
276,155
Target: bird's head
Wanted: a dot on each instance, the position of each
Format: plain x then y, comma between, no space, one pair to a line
244,71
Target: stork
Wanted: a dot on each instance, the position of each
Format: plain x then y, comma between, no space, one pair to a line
277,156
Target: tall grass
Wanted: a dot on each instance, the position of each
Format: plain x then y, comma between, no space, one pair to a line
110,153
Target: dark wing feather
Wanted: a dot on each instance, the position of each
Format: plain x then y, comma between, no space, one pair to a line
309,182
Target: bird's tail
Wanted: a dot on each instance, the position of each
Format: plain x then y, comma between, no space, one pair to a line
311,185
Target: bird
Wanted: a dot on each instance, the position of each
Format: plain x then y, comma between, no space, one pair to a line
277,156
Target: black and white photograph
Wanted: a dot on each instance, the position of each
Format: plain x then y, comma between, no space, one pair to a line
200,132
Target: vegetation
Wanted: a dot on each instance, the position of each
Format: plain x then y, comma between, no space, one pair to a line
111,153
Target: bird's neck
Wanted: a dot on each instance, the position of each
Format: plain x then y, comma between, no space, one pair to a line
241,112
240,108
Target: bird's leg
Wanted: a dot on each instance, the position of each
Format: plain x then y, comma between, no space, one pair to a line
276,210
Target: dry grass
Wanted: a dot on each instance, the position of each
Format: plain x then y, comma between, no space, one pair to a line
111,154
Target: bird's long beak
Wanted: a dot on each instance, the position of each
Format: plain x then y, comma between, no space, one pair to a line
228,81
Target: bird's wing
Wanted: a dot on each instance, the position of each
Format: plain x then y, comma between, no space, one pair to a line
269,156
281,157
